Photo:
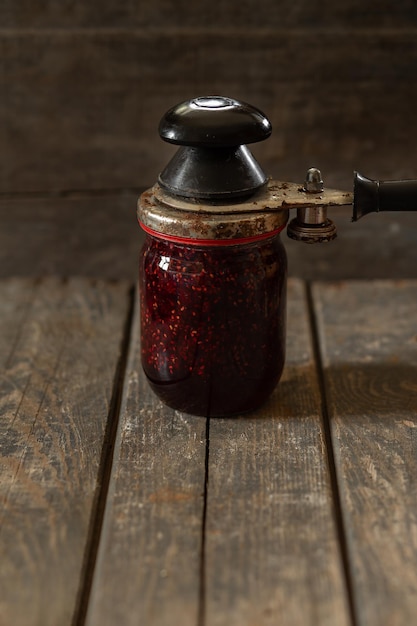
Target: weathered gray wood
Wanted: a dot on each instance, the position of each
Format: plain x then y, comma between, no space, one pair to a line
86,115
59,347
272,553
148,568
368,334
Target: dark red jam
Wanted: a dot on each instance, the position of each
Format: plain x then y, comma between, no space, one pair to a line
213,323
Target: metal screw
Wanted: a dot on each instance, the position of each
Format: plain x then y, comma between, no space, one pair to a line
313,182
312,224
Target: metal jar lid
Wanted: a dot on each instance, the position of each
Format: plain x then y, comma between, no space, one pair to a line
179,218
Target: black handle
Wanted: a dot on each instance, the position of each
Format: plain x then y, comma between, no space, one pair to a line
214,122
372,196
213,161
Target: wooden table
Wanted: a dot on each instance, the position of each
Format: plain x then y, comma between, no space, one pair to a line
118,510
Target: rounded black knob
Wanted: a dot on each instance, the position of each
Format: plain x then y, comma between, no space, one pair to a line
214,121
213,161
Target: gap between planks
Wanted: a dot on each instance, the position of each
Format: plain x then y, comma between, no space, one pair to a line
105,471
123,531
60,347
338,512
202,589
368,341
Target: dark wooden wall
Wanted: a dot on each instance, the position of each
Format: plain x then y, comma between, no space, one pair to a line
83,85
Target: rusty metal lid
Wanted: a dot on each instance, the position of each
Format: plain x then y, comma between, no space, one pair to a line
170,217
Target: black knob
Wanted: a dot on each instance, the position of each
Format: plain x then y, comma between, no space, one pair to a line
214,121
213,162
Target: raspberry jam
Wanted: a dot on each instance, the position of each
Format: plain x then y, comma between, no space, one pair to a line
213,322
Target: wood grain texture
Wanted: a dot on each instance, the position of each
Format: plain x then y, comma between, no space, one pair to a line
83,236
272,553
59,347
86,116
378,246
210,15
368,333
148,568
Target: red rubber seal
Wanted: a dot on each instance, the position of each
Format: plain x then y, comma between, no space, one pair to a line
211,242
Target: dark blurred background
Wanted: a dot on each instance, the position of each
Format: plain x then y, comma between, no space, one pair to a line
83,85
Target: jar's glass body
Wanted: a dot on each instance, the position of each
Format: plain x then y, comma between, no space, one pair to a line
213,323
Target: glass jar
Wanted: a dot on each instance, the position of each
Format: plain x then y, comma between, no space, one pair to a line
213,321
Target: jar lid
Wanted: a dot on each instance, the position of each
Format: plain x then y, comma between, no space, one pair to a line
170,217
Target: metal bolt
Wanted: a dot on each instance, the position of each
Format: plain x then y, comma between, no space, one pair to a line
313,182
312,224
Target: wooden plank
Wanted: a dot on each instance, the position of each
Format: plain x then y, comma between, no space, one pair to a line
60,342
83,236
111,88
272,553
368,335
382,245
148,568
208,15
